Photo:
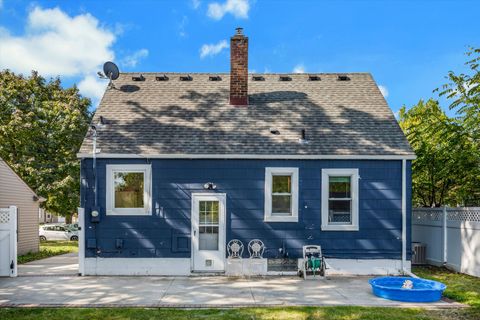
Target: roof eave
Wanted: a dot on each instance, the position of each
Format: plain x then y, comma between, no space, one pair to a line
249,156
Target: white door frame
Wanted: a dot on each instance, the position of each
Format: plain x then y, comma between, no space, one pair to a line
220,255
11,228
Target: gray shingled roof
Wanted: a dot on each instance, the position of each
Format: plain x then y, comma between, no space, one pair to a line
194,117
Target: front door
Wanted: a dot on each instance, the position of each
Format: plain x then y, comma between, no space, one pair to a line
208,232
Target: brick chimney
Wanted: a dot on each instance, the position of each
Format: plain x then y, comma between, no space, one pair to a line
239,69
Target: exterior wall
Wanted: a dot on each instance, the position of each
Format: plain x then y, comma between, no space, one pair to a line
14,192
166,233
47,217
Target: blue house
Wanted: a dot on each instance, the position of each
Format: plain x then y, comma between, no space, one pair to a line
176,165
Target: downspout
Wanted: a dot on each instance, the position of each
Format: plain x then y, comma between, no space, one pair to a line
404,216
94,157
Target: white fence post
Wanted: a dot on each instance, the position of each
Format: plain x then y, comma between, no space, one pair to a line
445,249
81,241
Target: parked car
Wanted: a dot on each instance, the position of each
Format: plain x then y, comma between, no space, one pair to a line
57,232
72,226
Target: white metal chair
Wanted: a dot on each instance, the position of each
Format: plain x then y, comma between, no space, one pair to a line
235,249
256,249
234,259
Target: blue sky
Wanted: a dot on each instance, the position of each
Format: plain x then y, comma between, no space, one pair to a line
408,46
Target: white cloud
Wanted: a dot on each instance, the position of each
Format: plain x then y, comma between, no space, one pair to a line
195,4
383,90
238,8
133,59
92,87
213,49
299,68
57,44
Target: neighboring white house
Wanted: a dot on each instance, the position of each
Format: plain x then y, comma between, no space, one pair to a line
15,192
48,217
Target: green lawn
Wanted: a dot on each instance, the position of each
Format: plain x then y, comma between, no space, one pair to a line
465,289
49,249
242,313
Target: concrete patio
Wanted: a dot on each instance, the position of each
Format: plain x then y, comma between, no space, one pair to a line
65,264
192,292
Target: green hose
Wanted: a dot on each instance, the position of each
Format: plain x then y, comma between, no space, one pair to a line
314,264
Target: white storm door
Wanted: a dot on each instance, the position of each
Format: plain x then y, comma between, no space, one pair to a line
208,232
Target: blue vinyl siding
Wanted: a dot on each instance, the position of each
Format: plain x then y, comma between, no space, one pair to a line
166,233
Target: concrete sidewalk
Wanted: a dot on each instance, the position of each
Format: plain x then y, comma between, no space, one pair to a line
192,292
65,264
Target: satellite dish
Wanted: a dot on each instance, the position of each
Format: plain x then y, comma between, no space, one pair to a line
110,70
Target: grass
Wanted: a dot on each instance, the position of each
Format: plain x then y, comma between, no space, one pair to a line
337,313
49,249
462,288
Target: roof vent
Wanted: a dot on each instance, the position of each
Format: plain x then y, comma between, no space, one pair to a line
162,78
258,78
215,78
313,78
285,78
274,131
303,137
343,77
138,78
186,78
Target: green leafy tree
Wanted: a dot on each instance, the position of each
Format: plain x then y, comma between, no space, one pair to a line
447,168
41,128
463,92
432,170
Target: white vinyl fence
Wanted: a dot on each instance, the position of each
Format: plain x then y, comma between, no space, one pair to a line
452,236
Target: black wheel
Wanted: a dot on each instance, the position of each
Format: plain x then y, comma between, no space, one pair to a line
74,238
43,238
322,269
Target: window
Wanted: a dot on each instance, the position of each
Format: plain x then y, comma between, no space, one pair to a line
340,199
208,225
281,194
128,189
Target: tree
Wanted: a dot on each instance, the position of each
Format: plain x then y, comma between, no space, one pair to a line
432,170
42,126
463,92
447,168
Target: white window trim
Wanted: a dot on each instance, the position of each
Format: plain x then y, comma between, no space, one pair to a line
147,187
269,172
353,173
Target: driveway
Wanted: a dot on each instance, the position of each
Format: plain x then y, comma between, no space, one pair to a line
65,264
192,292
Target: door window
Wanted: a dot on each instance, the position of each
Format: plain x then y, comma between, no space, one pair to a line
208,225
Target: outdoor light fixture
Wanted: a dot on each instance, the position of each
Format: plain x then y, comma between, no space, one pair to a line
210,186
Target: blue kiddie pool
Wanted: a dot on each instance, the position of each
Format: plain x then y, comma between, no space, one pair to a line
407,289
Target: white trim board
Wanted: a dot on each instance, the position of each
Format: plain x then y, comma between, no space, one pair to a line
354,198
137,266
366,266
270,172
246,156
146,170
181,267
